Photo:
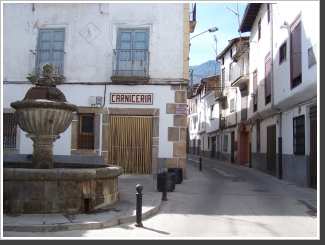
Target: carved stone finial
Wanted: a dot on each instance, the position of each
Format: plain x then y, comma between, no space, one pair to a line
46,79
47,70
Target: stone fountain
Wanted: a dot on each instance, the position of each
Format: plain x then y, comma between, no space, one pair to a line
39,184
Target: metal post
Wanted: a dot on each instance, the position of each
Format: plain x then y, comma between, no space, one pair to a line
280,157
200,163
139,188
164,192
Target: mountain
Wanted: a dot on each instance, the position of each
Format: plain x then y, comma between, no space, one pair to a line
209,68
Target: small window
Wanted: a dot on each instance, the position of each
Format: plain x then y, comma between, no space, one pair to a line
211,111
283,53
299,135
312,56
223,60
86,131
232,105
231,53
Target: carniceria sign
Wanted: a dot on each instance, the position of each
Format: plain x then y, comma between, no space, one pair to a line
131,98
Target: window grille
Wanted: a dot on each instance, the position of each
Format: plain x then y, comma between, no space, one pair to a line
9,130
299,135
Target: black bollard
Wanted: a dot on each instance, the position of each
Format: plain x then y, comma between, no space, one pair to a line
200,163
164,189
139,188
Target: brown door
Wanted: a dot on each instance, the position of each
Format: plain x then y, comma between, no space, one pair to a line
271,150
245,148
130,143
313,147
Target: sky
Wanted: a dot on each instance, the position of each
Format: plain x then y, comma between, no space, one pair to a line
214,14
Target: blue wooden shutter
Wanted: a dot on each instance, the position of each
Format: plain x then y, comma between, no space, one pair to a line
50,50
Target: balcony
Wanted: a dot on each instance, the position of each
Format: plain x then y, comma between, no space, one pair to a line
220,94
37,58
130,66
239,74
193,18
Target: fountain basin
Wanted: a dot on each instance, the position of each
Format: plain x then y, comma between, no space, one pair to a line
59,190
43,117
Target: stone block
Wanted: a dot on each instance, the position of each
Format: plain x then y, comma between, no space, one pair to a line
179,149
175,87
170,108
155,141
173,134
180,120
170,163
155,127
180,96
183,134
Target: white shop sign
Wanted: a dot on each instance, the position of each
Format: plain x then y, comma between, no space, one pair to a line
131,98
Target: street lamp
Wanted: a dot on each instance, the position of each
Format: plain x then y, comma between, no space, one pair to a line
213,29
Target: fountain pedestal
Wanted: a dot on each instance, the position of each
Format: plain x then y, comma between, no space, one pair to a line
43,150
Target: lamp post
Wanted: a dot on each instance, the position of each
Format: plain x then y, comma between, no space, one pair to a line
213,29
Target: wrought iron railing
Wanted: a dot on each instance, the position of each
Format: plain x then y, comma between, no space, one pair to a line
238,70
130,63
193,13
9,130
37,58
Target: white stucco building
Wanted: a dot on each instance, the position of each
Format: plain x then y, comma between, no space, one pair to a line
118,63
284,43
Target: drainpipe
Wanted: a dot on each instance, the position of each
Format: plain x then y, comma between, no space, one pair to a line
100,134
279,120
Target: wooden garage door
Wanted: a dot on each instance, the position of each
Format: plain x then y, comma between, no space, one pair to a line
130,143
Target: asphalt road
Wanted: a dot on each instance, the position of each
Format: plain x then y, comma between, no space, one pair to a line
222,201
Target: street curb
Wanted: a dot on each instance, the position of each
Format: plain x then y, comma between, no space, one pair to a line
83,226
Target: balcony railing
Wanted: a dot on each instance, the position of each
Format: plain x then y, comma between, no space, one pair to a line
193,18
37,58
238,73
130,64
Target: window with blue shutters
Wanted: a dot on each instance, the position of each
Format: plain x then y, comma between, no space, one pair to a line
50,50
132,52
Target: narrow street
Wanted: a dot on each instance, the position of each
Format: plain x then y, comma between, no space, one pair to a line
223,200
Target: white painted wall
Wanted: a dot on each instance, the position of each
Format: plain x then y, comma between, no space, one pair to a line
92,61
